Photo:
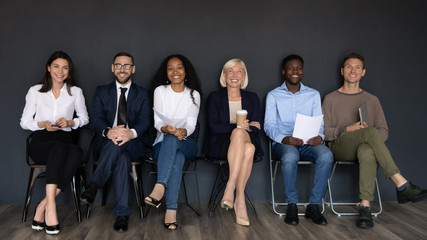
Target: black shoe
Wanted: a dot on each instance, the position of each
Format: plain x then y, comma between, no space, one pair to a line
152,201
292,215
365,219
53,230
88,196
411,193
121,224
39,226
171,226
314,213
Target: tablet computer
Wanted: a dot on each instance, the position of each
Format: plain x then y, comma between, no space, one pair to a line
363,113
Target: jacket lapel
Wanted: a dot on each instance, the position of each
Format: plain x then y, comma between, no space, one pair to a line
112,91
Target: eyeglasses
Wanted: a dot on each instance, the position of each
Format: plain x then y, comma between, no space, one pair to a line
125,66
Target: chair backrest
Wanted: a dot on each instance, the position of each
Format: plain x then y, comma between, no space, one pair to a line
27,148
85,137
195,134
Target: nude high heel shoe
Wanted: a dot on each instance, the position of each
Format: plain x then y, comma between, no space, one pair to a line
241,221
227,204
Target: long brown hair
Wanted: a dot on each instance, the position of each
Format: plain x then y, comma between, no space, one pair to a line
47,79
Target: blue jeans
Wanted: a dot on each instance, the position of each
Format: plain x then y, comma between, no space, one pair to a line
290,155
170,155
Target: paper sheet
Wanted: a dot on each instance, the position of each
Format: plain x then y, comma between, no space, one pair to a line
307,127
178,122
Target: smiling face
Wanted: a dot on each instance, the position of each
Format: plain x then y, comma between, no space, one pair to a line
176,71
122,74
59,70
352,70
293,71
235,75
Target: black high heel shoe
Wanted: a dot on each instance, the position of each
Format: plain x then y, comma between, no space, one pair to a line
39,226
53,230
152,201
171,226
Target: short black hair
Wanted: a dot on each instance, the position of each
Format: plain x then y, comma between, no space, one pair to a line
291,57
125,54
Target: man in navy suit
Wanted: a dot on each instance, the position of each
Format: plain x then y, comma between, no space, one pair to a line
121,116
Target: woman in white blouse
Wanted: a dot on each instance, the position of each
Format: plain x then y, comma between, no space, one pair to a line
48,112
176,107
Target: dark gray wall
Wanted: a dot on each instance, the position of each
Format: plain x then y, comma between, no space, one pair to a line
390,34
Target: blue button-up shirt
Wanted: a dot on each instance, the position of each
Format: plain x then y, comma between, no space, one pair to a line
282,107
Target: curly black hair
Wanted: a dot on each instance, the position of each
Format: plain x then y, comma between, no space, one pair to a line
192,80
47,79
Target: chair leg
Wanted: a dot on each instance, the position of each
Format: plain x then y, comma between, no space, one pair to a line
134,177
34,173
218,186
273,174
334,204
250,204
197,189
379,199
152,172
76,199
28,195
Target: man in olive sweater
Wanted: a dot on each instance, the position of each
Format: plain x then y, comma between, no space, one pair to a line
363,142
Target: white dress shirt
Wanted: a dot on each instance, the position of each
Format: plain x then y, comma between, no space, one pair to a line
43,106
119,92
176,107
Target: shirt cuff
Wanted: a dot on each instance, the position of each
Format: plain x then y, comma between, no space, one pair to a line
135,135
76,123
36,127
279,138
103,132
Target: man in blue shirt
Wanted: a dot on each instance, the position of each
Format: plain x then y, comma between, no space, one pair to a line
282,105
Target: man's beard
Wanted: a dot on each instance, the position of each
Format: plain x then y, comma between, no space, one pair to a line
124,81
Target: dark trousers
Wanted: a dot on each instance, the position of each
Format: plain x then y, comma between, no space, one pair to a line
115,161
59,153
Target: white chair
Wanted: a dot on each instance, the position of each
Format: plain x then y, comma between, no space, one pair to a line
274,166
334,204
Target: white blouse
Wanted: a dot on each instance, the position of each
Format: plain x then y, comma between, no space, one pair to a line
177,108
41,106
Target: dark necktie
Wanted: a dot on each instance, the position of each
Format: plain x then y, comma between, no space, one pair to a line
121,113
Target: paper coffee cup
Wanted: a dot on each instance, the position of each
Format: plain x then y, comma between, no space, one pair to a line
241,117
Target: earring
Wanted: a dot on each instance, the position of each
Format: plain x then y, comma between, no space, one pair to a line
185,80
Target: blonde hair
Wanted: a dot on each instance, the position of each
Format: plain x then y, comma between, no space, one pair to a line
229,64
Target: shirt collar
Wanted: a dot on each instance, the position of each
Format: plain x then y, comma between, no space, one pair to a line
118,85
64,87
302,87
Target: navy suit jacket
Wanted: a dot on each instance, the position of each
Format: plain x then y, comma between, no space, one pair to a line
218,116
138,105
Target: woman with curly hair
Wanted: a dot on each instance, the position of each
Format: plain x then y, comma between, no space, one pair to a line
176,107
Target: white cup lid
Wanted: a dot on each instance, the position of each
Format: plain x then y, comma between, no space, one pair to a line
241,111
